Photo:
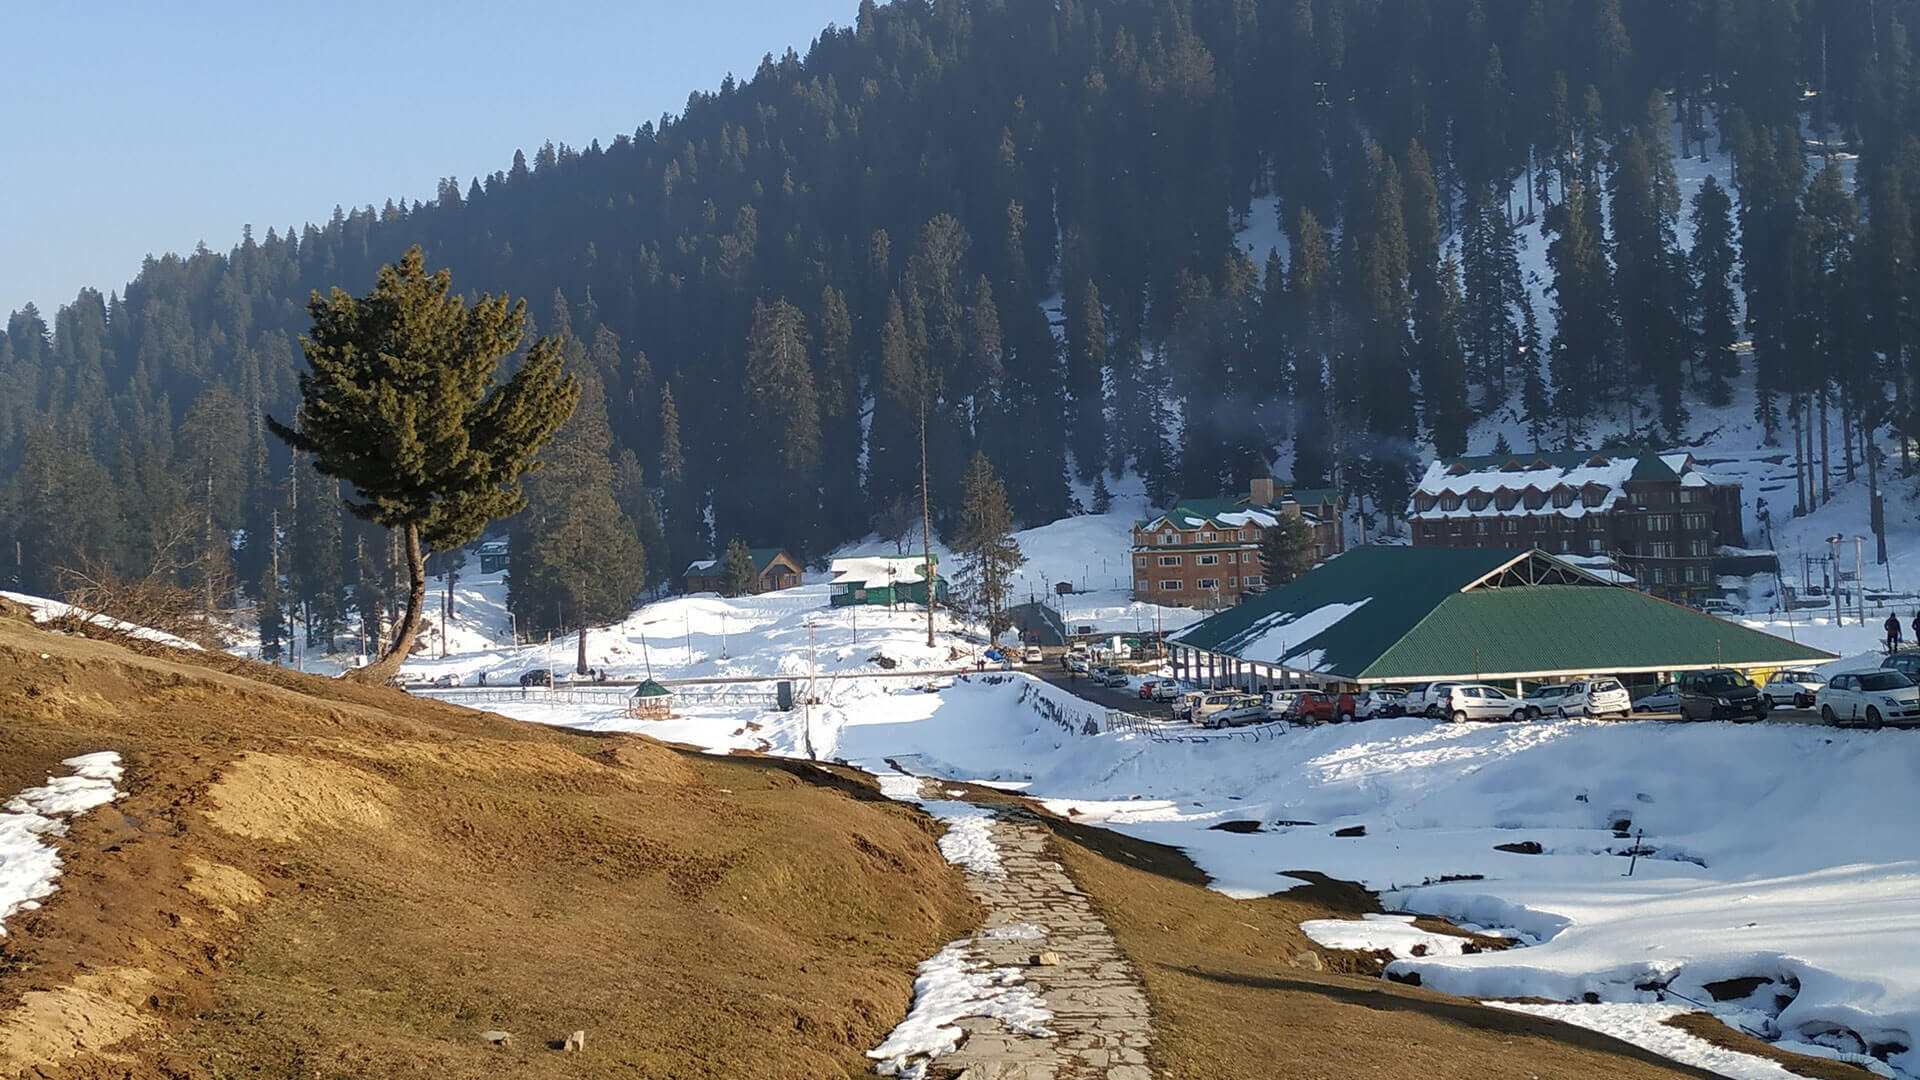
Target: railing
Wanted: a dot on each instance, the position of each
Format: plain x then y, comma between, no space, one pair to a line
1164,731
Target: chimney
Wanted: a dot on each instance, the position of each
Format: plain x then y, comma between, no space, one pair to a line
1260,491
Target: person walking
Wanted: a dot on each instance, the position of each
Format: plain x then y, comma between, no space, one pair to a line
1893,633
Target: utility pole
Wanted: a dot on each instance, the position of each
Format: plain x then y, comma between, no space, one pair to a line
926,515
1833,558
645,655
806,707
1859,578
723,635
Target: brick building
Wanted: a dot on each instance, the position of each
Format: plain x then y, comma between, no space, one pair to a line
1206,552
1658,517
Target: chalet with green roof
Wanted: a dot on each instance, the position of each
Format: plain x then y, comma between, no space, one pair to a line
1206,552
885,580
774,569
1382,614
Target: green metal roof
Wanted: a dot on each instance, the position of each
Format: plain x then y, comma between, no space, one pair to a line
1316,496
763,557
1208,509
1388,614
1395,587
1573,629
651,688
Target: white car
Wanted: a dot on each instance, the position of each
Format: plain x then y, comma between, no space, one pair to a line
1432,701
1795,688
1598,697
1477,701
1030,655
1228,709
1869,699
1379,703
1550,700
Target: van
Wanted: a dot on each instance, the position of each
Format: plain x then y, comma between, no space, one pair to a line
1720,694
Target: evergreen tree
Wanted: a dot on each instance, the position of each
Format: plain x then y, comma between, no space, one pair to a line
1583,335
985,546
738,575
1712,265
1287,550
1086,368
272,618
783,427
410,369
1310,292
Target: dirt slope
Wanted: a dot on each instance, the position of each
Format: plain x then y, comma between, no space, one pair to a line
318,880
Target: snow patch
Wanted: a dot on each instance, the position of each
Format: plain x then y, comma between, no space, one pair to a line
952,985
1373,933
28,863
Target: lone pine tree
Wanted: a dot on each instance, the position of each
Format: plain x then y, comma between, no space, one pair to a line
987,551
402,400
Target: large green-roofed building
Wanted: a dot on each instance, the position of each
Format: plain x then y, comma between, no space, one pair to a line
1384,614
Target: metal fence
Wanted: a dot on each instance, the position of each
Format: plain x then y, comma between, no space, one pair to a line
1159,730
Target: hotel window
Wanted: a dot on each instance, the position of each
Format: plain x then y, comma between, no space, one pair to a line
1661,549
1593,495
1454,528
1659,522
1172,586
1231,557
1563,497
1593,545
1168,538
1693,522
1242,535
1450,501
1140,584
1509,527
1139,560
1252,580
1206,538
1207,584
1208,560
1233,583
1169,560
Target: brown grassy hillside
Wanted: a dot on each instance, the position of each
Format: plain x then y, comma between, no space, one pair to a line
311,879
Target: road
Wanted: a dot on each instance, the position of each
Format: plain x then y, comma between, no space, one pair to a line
1107,697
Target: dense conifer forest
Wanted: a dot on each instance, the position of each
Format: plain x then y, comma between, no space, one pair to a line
1017,219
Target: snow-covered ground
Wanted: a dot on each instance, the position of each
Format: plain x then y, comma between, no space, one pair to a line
1779,852
29,864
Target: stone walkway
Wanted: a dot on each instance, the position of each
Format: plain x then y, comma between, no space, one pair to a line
1100,1019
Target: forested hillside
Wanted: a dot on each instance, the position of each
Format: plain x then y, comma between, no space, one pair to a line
762,293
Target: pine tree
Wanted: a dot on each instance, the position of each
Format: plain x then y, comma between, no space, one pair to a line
985,546
1712,265
411,369
272,618
1288,549
1102,497
783,425
1086,369
1310,293
738,575
1583,333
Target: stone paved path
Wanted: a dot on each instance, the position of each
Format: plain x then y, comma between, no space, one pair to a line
1100,1019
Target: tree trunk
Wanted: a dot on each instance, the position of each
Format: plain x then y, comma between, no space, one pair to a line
580,659
1826,460
1795,410
384,668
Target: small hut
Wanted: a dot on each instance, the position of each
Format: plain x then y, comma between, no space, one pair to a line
650,701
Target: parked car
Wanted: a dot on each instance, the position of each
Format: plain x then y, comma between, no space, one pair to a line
1109,676
1030,654
1380,703
1224,708
1720,694
1478,701
1906,663
1278,703
1598,697
1548,700
1433,703
1167,690
449,679
1319,707
1870,699
1075,663
1665,699
1795,688
536,677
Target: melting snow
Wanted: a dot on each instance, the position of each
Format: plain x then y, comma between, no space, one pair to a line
28,863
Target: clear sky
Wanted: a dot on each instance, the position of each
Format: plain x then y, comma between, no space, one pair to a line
138,127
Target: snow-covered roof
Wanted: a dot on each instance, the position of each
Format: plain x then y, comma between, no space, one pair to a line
1218,513
1600,474
868,568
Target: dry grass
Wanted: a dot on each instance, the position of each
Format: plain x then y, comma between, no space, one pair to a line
1229,1001
321,880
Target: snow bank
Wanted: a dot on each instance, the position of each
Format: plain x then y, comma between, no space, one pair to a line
28,863
1645,1026
968,840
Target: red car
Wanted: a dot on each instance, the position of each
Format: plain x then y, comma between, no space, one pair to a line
1318,707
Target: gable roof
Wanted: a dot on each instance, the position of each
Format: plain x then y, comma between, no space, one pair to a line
863,570
1341,615
1219,513
651,689
1380,613
762,559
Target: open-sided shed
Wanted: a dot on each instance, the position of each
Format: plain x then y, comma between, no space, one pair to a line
1384,614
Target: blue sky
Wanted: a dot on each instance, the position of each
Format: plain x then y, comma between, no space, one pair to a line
140,127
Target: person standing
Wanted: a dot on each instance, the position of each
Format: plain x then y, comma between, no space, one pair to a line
1893,633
